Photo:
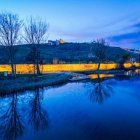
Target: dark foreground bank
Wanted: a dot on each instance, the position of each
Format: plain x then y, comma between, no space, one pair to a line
30,82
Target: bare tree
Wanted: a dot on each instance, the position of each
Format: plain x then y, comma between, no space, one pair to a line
35,34
10,26
100,51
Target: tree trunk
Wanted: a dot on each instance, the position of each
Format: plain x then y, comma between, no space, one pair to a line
99,67
37,62
13,71
37,68
11,57
121,65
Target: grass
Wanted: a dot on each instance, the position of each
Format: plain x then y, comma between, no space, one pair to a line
26,82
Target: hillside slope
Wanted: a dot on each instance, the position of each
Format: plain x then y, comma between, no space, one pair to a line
68,53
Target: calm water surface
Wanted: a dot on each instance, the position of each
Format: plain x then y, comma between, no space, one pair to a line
102,109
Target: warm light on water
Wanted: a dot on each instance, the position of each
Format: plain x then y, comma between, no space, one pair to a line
95,76
29,68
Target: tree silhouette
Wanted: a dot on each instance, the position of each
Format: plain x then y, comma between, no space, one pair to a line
10,26
38,116
100,51
101,91
35,34
10,122
123,60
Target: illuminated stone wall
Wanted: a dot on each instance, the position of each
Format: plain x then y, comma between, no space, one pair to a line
29,68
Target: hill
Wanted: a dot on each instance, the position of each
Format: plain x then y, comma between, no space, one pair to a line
63,53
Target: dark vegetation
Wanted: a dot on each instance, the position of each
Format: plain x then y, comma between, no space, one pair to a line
68,52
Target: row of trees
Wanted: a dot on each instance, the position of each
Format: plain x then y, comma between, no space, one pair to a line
14,30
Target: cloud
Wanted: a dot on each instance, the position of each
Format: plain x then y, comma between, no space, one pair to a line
124,31
131,39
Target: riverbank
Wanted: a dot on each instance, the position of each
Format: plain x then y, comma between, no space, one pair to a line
30,82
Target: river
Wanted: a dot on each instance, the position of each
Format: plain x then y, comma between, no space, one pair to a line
106,108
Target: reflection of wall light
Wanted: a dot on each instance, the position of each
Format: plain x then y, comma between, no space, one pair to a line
95,76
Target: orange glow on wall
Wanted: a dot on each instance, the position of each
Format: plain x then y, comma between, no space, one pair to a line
29,68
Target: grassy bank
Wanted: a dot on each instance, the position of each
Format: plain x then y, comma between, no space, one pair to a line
30,82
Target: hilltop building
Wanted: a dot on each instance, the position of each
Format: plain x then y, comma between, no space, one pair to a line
56,42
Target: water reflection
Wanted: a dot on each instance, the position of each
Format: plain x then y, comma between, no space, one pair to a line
13,120
38,116
95,76
10,122
132,74
67,101
101,91
129,75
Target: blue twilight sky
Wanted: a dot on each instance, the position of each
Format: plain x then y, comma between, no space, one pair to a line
118,21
